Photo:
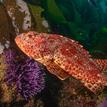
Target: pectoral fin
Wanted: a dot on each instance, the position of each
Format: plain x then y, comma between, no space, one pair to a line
57,71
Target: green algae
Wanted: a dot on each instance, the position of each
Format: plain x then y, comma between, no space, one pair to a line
78,20
54,12
104,29
36,14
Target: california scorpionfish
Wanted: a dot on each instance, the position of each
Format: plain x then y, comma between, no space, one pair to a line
64,57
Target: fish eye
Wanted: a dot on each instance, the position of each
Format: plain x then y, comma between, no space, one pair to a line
25,38
29,35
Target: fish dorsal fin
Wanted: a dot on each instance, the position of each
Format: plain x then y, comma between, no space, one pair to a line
57,71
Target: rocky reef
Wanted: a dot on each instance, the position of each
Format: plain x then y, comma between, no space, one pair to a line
81,21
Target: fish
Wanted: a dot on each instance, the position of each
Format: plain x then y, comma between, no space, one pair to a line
102,63
64,58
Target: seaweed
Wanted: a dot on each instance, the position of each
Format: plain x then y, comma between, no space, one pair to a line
76,19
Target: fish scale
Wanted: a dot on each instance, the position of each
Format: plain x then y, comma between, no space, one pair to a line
64,57
90,77
102,63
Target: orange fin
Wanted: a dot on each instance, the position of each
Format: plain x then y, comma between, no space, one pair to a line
57,71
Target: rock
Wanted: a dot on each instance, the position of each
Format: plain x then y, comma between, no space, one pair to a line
73,93
41,24
19,14
6,94
6,29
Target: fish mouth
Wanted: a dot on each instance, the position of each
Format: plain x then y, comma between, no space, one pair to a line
19,42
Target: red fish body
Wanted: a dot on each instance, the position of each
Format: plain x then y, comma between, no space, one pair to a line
63,57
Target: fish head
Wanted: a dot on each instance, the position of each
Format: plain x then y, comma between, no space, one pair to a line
31,44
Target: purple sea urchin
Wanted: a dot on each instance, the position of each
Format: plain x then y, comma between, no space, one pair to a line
9,55
25,73
30,79
12,66
104,104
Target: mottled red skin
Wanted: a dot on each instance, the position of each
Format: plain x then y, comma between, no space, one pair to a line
66,53
102,63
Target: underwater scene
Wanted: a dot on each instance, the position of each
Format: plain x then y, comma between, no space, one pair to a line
53,53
